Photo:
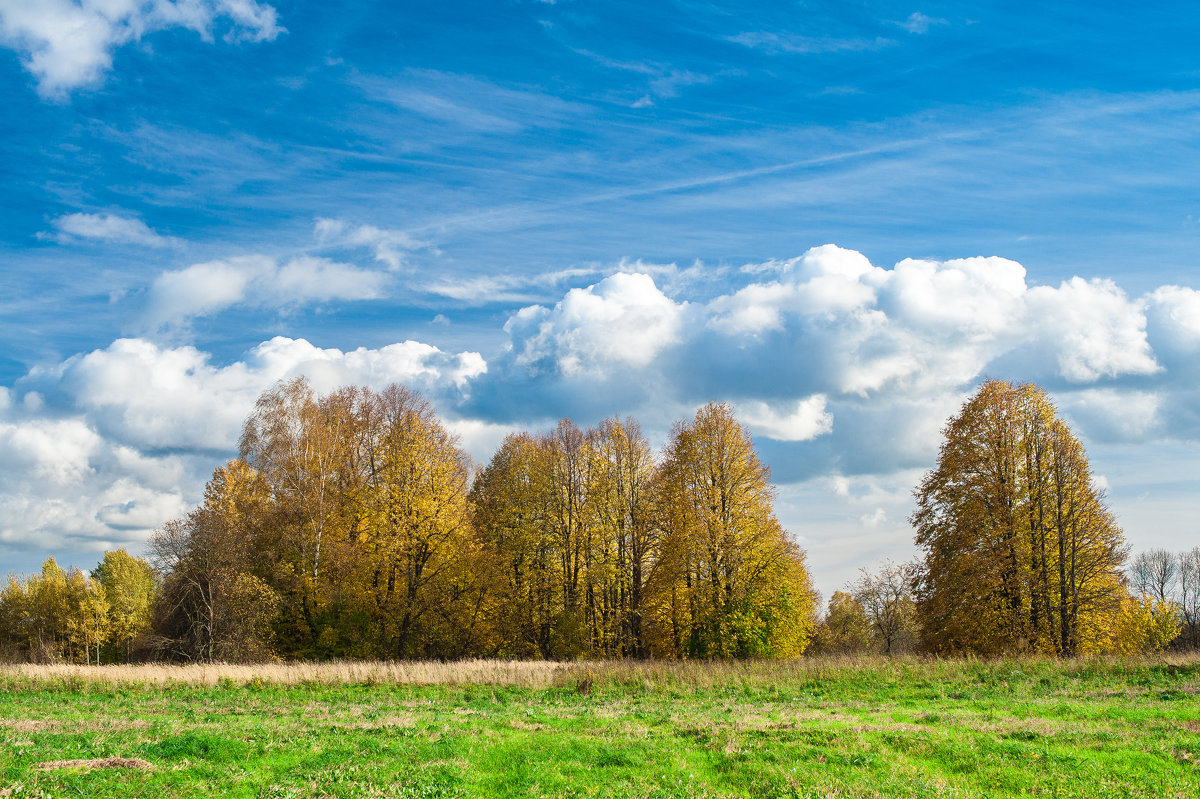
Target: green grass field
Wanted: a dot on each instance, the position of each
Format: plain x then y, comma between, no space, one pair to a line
809,728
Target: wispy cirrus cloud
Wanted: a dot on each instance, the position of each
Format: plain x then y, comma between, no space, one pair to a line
919,23
389,246
781,42
105,227
67,44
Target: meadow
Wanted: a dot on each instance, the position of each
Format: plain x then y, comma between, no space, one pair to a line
820,727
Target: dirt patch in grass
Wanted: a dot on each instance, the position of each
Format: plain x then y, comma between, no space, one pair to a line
99,762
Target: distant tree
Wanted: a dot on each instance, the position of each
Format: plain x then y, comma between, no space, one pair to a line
87,615
1019,549
845,630
887,600
1171,579
1153,573
54,616
1189,598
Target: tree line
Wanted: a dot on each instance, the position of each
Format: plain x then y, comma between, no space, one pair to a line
351,525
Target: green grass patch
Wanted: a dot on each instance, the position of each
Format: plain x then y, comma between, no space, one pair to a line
814,729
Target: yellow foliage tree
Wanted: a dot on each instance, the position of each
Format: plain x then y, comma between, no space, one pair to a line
128,583
1132,627
728,582
1019,547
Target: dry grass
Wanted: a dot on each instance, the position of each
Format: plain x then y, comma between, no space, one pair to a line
582,675
100,762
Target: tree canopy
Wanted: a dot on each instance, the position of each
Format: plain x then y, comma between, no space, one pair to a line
1020,552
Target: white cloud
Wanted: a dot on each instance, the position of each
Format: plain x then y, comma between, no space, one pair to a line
890,353
873,519
1093,328
70,43
801,420
1114,414
624,320
481,439
58,451
259,281
106,227
151,397
389,246
1173,321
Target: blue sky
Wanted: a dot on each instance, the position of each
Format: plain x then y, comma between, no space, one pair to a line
838,216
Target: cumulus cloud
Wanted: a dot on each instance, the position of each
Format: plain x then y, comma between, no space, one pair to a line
259,281
160,398
624,320
889,353
1173,322
845,371
801,420
128,434
105,227
1093,328
70,43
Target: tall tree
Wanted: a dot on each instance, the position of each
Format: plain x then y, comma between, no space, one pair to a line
729,582
620,487
1019,548
511,500
418,516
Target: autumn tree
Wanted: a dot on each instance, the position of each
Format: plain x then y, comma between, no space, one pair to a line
129,588
728,581
845,630
297,445
511,501
567,517
56,615
213,604
419,534
625,539
1135,626
1020,550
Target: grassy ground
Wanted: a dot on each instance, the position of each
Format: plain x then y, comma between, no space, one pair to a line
810,728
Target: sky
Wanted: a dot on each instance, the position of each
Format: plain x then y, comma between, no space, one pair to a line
840,217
